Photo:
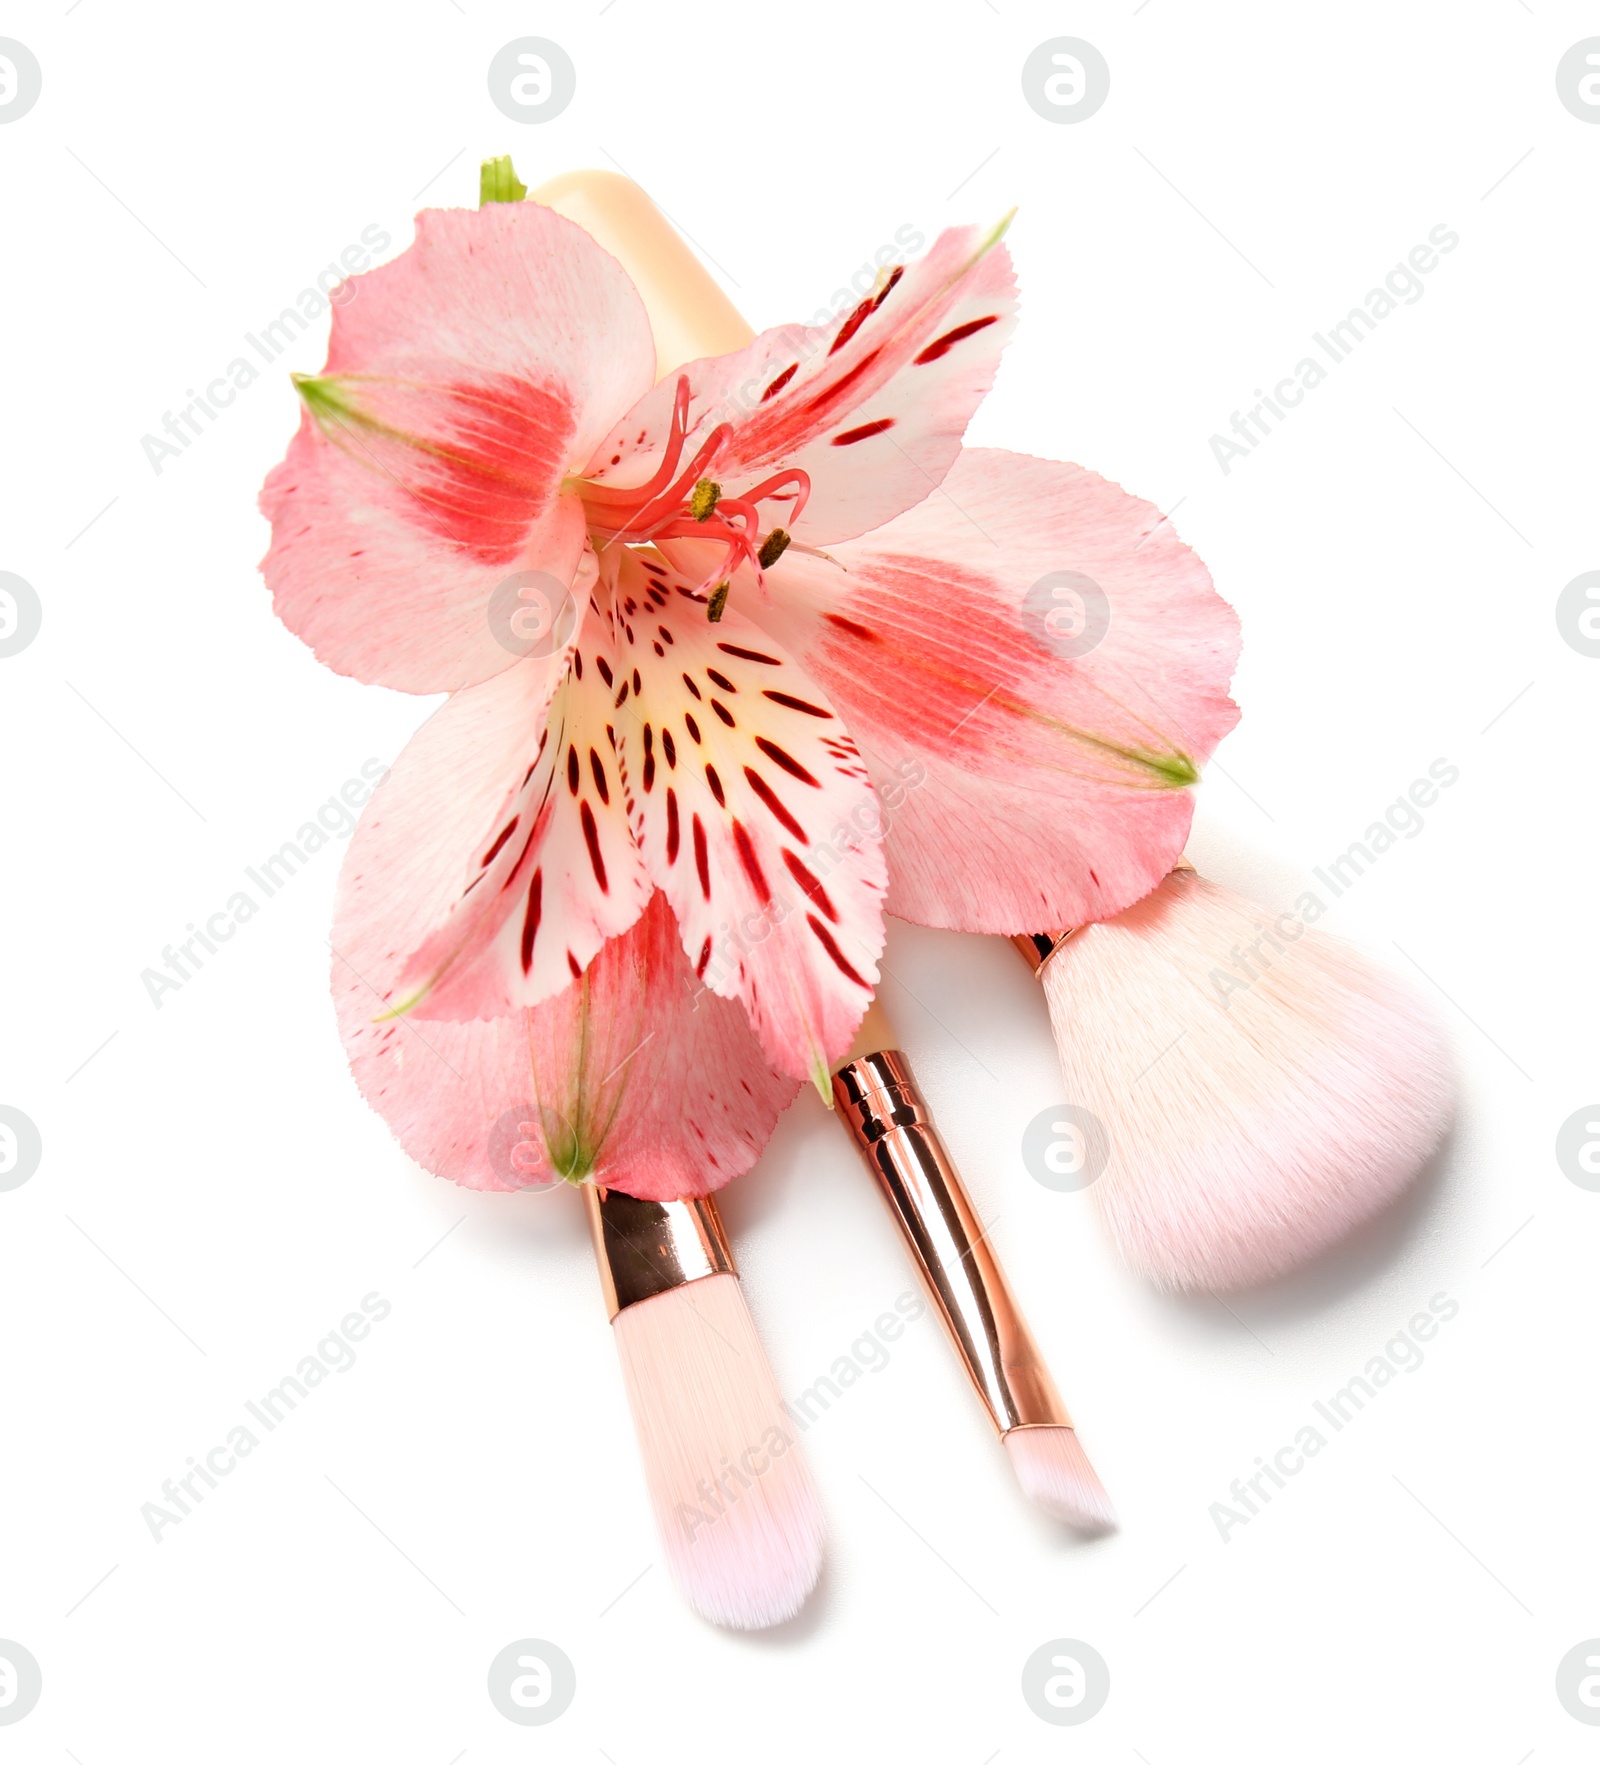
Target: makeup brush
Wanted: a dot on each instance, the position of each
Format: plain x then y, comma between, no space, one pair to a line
690,316
734,1502
1264,1088
878,1100
732,1494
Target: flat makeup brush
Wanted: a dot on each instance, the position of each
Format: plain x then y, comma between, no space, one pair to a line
733,1498
877,1099
732,1494
1264,1088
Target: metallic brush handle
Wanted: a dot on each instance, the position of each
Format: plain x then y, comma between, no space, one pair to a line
878,1099
648,1247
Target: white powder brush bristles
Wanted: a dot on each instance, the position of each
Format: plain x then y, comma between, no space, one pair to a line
1262,1094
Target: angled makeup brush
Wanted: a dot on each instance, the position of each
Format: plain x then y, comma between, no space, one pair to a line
732,1494
878,1100
1264,1088
733,1498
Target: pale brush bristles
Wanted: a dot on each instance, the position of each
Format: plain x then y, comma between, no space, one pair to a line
1055,1472
1262,1095
733,1497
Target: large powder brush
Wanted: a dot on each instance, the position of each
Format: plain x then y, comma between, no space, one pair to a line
1263,1089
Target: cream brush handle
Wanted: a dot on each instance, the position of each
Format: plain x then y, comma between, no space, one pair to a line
690,316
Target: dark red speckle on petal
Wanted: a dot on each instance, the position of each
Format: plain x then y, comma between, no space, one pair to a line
943,345
702,859
849,437
825,938
591,838
813,888
773,802
530,922
782,380
853,324
783,758
751,863
795,704
504,835
830,395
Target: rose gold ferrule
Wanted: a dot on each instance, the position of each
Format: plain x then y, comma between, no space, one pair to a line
878,1099
648,1247
1038,947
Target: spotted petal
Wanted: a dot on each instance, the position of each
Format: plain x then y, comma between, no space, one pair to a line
636,1075
871,406
464,382
554,871
754,812
1031,778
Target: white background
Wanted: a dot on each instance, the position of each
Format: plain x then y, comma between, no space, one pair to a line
214,1195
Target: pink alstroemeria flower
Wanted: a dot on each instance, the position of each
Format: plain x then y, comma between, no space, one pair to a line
613,902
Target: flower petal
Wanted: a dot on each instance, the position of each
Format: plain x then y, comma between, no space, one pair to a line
464,382
755,815
553,872
635,1075
1025,789
872,406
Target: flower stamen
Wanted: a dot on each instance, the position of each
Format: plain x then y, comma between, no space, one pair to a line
680,501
